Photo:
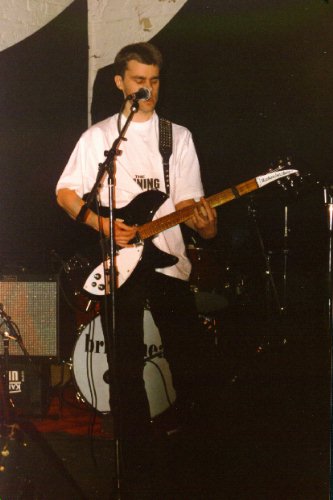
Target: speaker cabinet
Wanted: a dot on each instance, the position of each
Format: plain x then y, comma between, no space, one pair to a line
32,303
28,387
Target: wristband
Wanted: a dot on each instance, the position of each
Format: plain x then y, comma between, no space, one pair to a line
81,215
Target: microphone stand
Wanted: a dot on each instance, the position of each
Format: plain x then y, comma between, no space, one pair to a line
108,168
10,332
5,399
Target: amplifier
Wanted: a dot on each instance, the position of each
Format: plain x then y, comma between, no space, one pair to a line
28,386
32,303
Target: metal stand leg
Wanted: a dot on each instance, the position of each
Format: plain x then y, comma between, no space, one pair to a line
328,200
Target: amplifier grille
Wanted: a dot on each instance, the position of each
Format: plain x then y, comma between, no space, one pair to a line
32,304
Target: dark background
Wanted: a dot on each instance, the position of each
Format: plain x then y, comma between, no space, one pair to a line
251,80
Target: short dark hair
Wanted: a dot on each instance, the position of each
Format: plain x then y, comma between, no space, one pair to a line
143,52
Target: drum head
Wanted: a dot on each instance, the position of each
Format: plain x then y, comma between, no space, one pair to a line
90,368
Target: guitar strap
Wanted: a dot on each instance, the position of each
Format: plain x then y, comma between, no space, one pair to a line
165,145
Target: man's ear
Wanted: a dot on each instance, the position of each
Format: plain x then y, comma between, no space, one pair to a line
119,82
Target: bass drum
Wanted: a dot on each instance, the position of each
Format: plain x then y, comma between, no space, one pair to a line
89,365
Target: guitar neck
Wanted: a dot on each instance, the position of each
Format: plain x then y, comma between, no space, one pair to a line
159,225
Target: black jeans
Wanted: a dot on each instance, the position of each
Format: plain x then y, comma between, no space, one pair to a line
172,305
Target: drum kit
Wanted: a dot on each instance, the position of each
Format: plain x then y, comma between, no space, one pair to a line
209,280
213,287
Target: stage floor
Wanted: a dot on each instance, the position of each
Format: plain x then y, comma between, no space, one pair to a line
262,432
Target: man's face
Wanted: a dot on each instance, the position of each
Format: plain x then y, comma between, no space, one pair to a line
139,75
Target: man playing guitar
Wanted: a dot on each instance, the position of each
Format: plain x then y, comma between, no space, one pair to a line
166,288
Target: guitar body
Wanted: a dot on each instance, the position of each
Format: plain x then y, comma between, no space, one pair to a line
86,271
142,208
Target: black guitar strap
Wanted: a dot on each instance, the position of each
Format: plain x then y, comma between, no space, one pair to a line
165,145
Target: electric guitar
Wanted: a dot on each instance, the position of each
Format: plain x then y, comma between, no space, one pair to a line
86,271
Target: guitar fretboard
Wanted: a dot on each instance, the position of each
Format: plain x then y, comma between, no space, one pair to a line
157,226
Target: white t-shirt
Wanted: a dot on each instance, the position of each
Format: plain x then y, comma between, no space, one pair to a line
139,168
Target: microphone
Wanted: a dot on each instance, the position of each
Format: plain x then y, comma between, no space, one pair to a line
142,94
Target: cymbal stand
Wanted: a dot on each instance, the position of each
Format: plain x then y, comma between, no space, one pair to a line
273,305
270,287
285,258
328,201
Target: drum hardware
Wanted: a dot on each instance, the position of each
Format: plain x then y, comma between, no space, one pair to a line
208,279
210,325
272,300
274,306
328,201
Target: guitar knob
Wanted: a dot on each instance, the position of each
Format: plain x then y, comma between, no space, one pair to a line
101,287
93,284
97,276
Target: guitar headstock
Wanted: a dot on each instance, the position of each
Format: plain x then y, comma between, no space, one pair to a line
295,183
291,179
283,170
